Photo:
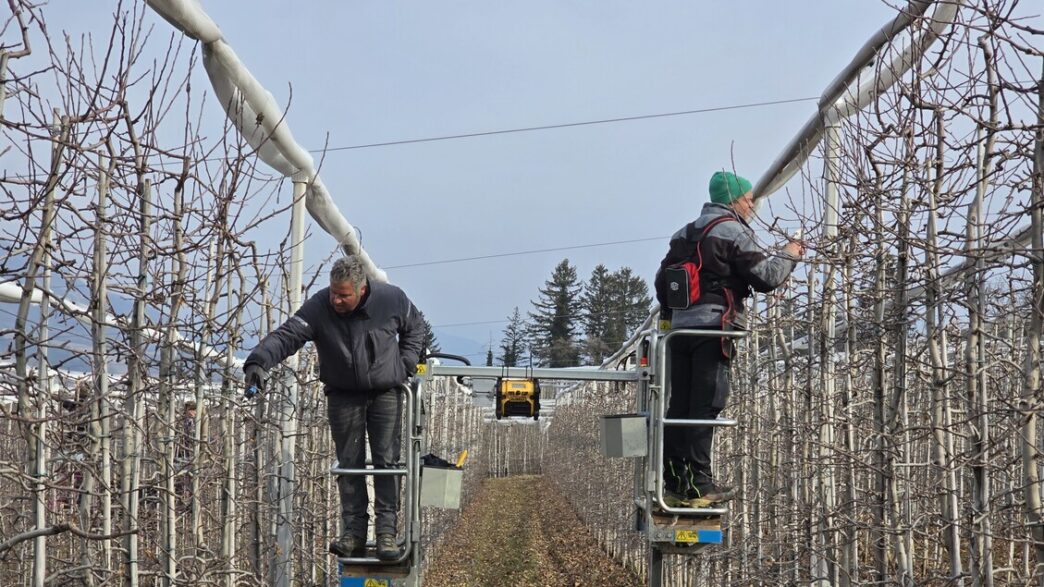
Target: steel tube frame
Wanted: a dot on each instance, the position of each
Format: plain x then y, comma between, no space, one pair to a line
658,395
410,471
581,374
368,471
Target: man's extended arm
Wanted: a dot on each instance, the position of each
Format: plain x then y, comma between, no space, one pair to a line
281,342
762,270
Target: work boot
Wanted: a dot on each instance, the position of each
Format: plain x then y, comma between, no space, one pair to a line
348,546
708,493
387,549
674,500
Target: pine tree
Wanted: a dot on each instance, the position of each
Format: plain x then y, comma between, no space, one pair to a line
632,302
513,345
554,321
489,356
597,303
614,305
431,344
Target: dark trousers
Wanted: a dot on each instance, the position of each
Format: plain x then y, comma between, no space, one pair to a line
699,388
353,415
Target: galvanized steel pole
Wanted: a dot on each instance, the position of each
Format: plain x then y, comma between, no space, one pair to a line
288,415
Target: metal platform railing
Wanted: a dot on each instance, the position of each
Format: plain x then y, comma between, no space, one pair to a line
410,470
659,397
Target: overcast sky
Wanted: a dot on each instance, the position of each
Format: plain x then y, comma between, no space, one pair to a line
374,72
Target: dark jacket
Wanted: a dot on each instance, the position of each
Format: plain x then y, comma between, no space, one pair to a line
732,260
357,351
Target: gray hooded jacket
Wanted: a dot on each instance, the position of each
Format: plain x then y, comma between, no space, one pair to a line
732,258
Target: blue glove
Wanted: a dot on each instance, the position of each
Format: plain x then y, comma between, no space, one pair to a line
254,376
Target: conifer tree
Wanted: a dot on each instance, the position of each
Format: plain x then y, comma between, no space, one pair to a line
513,344
632,302
613,306
597,303
555,319
431,344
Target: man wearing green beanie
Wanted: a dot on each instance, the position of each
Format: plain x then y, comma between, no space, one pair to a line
725,187
721,264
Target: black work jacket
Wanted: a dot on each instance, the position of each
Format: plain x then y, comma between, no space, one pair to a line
376,346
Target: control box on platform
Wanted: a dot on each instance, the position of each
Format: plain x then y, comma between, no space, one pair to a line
624,435
440,487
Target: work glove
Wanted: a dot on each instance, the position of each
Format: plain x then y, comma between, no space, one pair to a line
254,376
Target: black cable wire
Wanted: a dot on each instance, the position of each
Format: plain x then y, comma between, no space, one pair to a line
535,128
564,125
531,252
470,323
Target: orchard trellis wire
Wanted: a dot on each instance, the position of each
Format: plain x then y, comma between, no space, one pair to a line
888,399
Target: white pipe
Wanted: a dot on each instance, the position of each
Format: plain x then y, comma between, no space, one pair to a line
849,95
259,119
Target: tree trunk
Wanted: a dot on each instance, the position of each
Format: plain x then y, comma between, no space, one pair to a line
942,445
99,457
975,363
825,568
134,417
33,434
1031,393
168,398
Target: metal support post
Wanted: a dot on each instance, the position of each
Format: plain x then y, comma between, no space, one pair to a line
655,571
288,415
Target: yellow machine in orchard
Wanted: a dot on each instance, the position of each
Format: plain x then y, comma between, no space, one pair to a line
517,397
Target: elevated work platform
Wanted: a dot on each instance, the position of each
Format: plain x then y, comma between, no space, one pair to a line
674,534
669,529
375,574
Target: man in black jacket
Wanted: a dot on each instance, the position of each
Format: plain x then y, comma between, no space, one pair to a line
730,264
368,337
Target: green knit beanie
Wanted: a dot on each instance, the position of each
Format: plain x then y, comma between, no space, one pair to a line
726,188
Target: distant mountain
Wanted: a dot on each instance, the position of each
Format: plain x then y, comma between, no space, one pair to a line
453,344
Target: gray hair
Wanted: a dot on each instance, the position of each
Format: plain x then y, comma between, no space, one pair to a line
348,269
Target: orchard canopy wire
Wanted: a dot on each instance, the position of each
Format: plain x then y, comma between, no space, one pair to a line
885,403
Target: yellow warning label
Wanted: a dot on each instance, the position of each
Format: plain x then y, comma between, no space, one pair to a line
376,583
665,324
523,386
689,536
422,369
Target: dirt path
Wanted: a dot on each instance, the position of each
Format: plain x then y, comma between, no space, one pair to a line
520,531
